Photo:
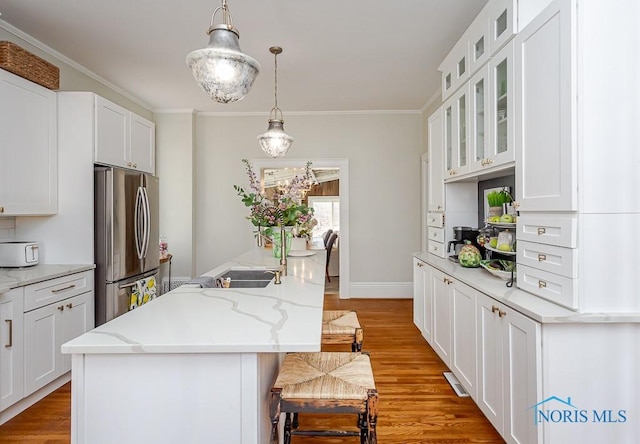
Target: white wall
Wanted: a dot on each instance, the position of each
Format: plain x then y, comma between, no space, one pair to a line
175,169
384,155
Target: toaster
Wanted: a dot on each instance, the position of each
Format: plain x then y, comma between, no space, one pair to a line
18,254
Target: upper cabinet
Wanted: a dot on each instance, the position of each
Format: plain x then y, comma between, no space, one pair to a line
455,68
28,148
456,120
435,186
545,115
502,22
123,139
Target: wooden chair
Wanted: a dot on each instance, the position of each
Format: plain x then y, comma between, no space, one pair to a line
329,247
326,237
325,382
342,327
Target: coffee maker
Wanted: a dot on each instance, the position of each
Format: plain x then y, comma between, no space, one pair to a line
460,237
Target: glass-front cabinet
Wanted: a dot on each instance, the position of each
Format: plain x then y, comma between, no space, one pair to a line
456,130
501,144
479,119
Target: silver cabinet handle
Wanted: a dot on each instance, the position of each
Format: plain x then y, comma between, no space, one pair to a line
542,284
541,231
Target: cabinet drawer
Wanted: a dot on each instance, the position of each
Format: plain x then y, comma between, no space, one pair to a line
436,234
435,220
54,290
558,260
556,288
436,248
558,230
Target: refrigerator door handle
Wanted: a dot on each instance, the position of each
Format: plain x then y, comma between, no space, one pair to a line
146,210
137,221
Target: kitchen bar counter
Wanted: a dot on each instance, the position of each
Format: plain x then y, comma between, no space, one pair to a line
195,365
526,303
19,277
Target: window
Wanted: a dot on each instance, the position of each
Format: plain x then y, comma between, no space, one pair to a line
327,213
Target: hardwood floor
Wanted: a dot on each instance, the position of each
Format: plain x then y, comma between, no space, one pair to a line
417,405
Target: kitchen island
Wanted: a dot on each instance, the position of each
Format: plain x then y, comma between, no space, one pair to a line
196,364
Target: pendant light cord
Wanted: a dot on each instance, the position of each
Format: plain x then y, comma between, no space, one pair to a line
275,56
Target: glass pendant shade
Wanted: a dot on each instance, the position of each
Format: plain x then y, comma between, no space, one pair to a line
275,142
221,69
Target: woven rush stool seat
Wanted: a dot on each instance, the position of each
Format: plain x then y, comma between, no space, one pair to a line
325,382
342,327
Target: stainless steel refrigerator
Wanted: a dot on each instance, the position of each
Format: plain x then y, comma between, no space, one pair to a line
126,237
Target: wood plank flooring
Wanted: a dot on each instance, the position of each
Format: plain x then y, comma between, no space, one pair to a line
417,405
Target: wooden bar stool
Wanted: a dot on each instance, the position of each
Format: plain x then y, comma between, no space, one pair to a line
342,327
325,382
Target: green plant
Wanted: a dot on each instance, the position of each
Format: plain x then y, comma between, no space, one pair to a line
285,208
497,198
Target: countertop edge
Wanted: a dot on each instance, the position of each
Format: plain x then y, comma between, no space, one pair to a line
11,278
536,308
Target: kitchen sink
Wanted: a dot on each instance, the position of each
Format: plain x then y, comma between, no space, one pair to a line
247,278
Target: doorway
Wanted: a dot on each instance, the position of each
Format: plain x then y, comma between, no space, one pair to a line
342,165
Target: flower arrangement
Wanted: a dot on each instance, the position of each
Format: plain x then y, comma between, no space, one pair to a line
284,208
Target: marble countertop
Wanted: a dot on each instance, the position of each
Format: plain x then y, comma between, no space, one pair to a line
19,277
277,318
526,303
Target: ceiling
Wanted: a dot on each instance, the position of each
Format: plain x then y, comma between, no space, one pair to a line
353,55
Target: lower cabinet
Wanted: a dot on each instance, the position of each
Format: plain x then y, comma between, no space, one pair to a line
509,370
46,329
35,320
493,350
422,298
11,348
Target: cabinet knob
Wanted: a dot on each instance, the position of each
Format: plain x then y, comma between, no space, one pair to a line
419,264
447,281
128,163
70,305
61,308
501,313
135,165
1,209
494,309
439,207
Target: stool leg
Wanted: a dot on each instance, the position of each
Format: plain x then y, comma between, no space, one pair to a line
372,415
294,424
357,341
287,429
274,414
364,428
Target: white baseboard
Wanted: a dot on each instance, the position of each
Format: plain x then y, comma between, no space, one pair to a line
381,290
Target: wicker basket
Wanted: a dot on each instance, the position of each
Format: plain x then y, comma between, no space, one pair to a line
22,63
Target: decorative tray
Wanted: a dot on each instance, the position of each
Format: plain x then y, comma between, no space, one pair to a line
496,268
501,224
508,253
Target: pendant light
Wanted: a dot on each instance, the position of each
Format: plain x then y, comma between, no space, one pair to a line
221,69
275,142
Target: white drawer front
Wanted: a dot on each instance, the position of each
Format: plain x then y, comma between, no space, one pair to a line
58,289
436,234
435,220
558,260
560,230
556,288
436,248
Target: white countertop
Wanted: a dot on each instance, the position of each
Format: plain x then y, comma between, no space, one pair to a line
526,303
277,318
19,277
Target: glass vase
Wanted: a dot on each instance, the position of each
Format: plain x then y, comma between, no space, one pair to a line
277,242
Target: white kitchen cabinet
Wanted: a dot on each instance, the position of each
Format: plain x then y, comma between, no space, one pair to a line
509,370
122,138
435,185
463,326
546,142
456,130
56,311
11,348
441,329
502,99
422,298
28,148
503,19
479,120
455,68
